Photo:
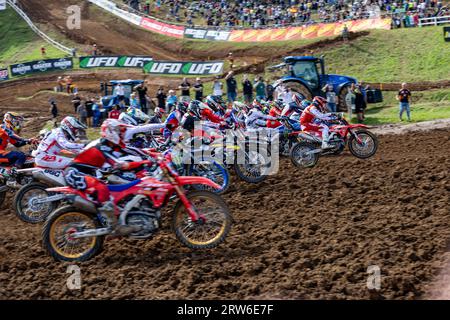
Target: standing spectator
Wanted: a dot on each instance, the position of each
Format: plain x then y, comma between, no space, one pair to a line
247,89
185,93
54,112
161,97
360,104
217,87
119,92
404,96
231,87
230,58
198,88
88,104
171,101
76,102
68,82
350,101
331,96
60,84
260,88
269,92
94,49
141,89
97,115
134,103
115,112
43,51
345,33
82,114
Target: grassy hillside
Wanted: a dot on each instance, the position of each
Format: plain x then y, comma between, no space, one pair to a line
411,55
18,42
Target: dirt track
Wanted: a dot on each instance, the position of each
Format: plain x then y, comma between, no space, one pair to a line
299,235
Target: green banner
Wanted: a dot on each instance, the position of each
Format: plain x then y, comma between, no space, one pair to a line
114,61
184,68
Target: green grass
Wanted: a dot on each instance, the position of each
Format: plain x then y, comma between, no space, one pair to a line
425,105
411,55
18,43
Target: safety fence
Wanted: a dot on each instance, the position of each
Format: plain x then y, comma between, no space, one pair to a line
434,21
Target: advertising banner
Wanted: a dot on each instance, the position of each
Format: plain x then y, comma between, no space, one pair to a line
114,61
204,34
112,8
184,68
4,74
307,32
2,5
25,68
162,28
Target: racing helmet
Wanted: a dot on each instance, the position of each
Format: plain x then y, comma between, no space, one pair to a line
114,130
127,119
196,107
71,126
320,103
298,98
182,107
13,121
216,103
138,115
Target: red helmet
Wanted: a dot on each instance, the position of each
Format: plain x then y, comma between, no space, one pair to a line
320,103
114,131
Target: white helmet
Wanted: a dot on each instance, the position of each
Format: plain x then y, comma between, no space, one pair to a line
126,118
138,115
71,126
113,130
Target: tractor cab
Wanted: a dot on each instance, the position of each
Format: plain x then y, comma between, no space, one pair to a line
310,69
110,97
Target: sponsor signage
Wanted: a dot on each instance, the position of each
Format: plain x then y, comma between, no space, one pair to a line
112,8
447,33
162,28
184,68
213,35
25,68
114,61
4,74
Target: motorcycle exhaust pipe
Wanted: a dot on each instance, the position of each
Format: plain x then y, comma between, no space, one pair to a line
82,204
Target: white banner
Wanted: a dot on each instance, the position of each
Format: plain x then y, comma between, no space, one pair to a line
2,5
112,8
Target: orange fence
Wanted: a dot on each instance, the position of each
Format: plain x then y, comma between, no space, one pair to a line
307,32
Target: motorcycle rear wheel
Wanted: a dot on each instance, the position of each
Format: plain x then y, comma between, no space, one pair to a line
253,173
300,159
220,173
25,210
60,225
201,234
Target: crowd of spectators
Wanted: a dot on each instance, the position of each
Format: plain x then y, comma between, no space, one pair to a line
265,13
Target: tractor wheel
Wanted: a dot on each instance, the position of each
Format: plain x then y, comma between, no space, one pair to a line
298,87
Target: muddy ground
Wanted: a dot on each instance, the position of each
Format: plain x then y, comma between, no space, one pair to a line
299,235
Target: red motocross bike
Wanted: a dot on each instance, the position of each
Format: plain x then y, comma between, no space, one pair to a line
361,142
201,219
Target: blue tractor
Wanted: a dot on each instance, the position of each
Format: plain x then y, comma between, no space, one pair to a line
306,75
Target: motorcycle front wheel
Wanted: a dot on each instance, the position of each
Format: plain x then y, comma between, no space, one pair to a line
57,231
366,147
213,226
25,205
214,172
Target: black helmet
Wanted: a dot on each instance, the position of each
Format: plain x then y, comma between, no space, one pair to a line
215,103
195,108
182,107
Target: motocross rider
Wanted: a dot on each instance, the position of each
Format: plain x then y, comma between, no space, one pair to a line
313,118
275,111
216,104
62,138
108,148
9,134
255,118
174,119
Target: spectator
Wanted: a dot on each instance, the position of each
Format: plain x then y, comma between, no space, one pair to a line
161,97
360,104
198,88
54,112
76,102
350,101
88,104
171,101
260,88
97,114
94,49
217,87
82,114
60,84
43,52
142,90
247,89
231,87
115,112
269,92
230,59
134,103
345,33
69,82
185,92
332,99
119,92
404,97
